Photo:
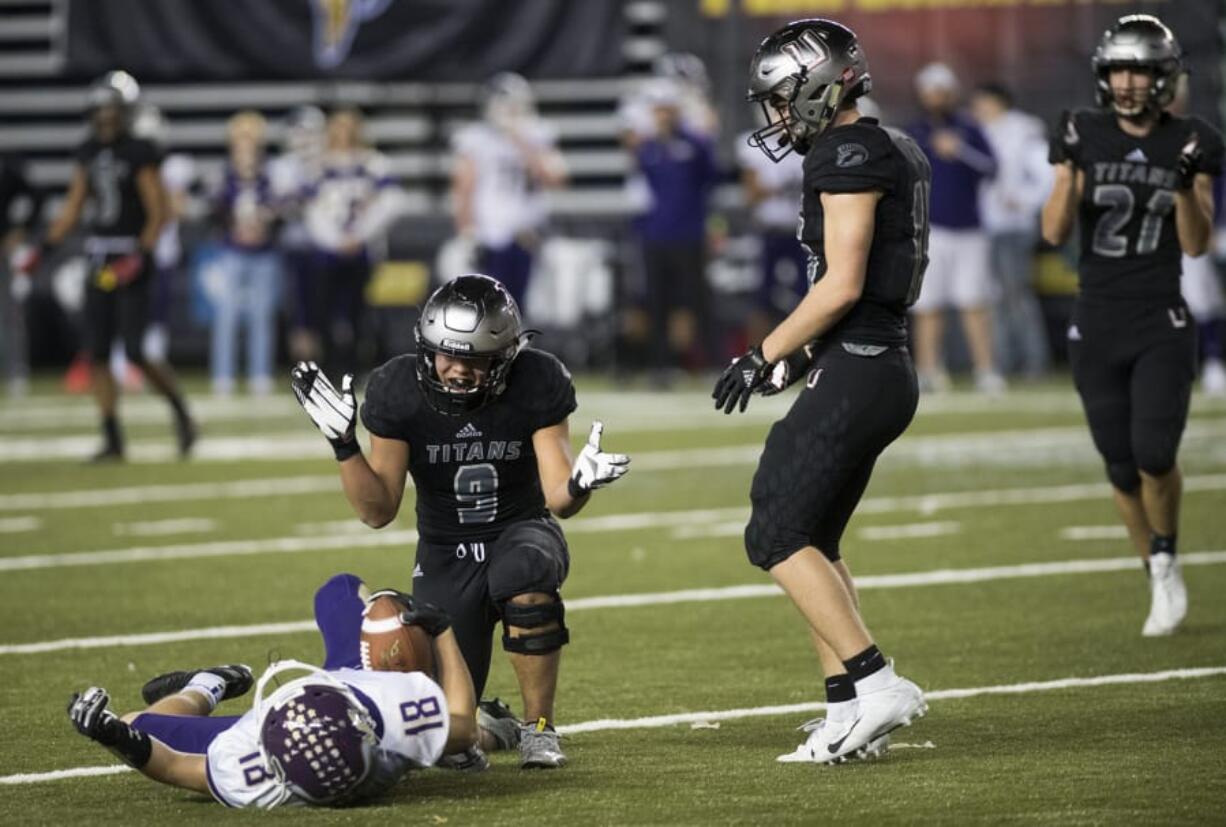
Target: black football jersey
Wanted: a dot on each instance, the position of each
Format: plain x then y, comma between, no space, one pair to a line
477,473
859,157
111,170
1129,245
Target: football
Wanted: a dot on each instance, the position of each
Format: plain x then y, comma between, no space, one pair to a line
388,645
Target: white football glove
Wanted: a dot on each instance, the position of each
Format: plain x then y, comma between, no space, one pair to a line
593,467
335,413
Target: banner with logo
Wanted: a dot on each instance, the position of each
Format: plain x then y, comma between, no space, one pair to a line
410,40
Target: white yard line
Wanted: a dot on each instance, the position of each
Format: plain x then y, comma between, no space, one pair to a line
910,531
659,721
165,528
703,522
934,577
19,525
1064,446
1094,532
656,721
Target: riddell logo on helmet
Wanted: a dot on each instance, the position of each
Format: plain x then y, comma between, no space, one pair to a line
456,344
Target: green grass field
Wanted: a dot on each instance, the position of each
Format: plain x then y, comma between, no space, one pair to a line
977,488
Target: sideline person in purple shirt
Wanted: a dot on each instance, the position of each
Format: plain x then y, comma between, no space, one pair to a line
679,167
959,268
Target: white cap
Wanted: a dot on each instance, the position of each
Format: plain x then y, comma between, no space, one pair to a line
662,92
936,76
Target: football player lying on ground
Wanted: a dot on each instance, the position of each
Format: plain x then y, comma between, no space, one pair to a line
481,423
336,737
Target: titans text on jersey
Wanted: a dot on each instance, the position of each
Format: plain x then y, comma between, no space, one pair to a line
1129,245
474,474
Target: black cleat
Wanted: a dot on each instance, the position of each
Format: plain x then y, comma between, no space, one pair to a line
185,434
238,680
108,454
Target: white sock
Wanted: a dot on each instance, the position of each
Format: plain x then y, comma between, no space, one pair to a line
877,681
209,686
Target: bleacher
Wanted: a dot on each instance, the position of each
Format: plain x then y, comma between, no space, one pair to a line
41,114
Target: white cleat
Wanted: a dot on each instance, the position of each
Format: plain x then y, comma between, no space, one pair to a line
815,749
1169,596
879,713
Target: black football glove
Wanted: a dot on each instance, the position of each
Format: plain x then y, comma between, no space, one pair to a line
788,371
334,412
426,615
1065,142
740,379
1188,165
88,713
416,612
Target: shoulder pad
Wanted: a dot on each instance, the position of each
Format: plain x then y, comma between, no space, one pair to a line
392,398
540,384
853,158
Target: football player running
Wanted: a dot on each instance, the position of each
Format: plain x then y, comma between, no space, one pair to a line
334,737
480,421
864,220
1139,182
118,173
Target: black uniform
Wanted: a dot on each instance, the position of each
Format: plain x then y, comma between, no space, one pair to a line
1132,343
485,532
116,304
860,393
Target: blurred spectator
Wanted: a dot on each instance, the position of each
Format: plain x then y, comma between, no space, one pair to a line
679,167
178,172
1009,206
293,173
347,211
249,266
502,165
20,207
959,271
773,191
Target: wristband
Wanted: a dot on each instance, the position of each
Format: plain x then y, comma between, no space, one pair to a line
576,491
345,450
132,745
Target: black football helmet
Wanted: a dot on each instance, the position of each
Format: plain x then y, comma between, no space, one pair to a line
800,76
472,316
1139,41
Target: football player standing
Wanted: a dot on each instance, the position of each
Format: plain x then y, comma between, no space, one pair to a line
118,172
864,220
481,423
1139,182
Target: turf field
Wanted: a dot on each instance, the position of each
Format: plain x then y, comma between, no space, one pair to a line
987,551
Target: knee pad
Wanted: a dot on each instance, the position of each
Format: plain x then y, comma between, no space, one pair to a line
528,557
533,617
1155,454
1124,476
767,544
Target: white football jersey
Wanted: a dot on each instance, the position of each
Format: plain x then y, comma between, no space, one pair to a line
781,209
341,202
506,201
411,720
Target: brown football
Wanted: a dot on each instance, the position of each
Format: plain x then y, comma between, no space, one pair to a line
388,645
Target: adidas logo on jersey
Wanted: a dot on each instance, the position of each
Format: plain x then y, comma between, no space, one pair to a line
1137,156
468,432
1074,333
417,572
